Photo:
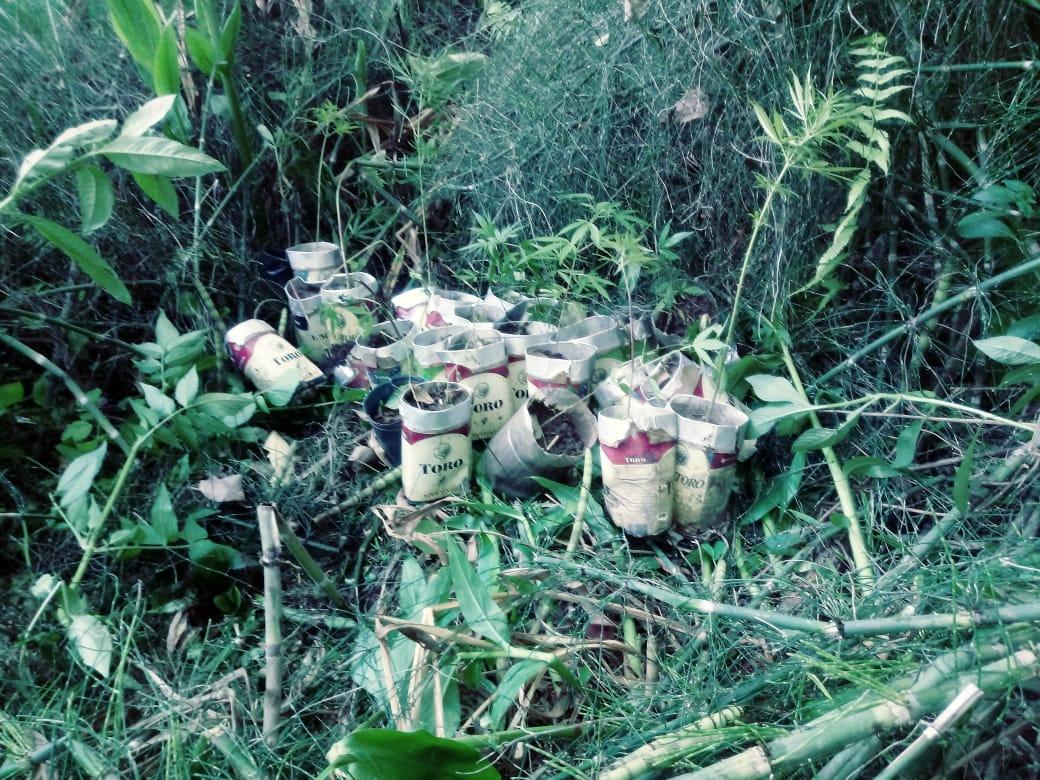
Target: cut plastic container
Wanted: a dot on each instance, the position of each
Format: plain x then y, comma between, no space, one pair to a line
710,436
558,365
315,261
436,452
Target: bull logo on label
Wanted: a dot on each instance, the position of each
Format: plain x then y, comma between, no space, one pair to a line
681,455
482,390
442,451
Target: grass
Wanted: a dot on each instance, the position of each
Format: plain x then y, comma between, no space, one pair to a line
674,654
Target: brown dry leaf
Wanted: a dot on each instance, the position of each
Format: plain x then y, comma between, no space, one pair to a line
179,633
635,9
692,105
221,489
406,523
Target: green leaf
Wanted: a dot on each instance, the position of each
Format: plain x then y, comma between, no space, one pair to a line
767,125
85,134
157,400
906,445
866,466
383,754
166,334
147,116
92,642
984,224
88,759
1009,350
187,388
96,198
163,518
232,410
962,479
209,556
229,35
11,394
160,191
163,156
482,614
136,23
774,389
815,439
78,477
512,682
201,50
166,71
82,254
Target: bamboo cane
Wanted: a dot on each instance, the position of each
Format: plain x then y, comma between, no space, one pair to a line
270,544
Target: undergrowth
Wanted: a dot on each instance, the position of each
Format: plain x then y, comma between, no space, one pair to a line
882,314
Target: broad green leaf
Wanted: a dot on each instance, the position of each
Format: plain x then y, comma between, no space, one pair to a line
11,394
512,682
232,410
482,614
488,567
962,479
774,389
82,254
157,400
78,477
1009,350
162,156
866,466
410,599
88,759
160,191
136,23
163,518
384,754
815,439
187,387
166,334
229,35
92,642
208,556
166,71
206,15
201,50
96,198
147,116
984,224
906,444
85,134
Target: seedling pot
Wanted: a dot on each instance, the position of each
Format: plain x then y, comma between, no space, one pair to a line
436,452
315,261
386,423
426,347
266,359
605,334
384,352
517,337
305,308
526,448
477,315
670,375
559,365
622,382
441,307
411,305
637,443
477,360
342,296
710,436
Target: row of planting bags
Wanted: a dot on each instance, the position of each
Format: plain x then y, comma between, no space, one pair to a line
453,368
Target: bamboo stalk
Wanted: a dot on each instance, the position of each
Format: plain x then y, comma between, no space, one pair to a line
270,546
1030,264
870,714
847,764
77,392
902,763
384,480
664,751
306,560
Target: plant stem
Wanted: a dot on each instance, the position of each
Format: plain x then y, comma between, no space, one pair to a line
77,392
583,502
967,67
306,560
238,123
1030,264
384,480
72,328
271,550
857,541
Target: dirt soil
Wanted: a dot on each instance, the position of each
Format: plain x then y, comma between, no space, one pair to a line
515,328
468,341
556,432
434,396
378,339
